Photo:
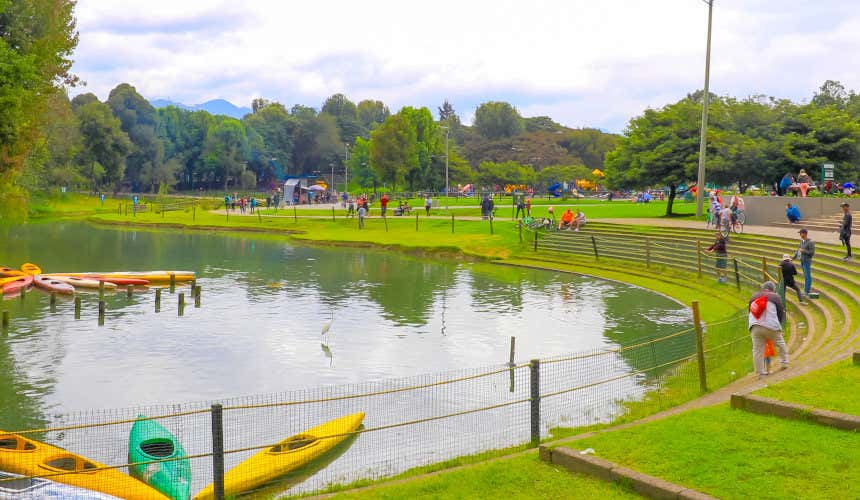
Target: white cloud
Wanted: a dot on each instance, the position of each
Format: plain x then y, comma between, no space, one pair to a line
580,62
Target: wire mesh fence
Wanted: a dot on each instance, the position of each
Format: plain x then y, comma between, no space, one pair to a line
306,440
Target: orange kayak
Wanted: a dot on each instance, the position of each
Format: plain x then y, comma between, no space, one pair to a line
7,272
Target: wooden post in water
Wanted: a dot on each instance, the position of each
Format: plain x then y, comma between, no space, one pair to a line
77,308
101,290
23,293
5,319
197,297
181,306
513,345
700,348
53,302
172,282
157,299
699,256
128,291
101,312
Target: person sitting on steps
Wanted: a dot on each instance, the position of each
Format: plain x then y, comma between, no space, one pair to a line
566,220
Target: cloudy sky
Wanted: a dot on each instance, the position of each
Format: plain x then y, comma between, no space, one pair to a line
582,62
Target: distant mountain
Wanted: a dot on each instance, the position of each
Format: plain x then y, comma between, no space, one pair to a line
215,107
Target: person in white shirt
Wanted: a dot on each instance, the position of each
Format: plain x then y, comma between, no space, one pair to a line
766,315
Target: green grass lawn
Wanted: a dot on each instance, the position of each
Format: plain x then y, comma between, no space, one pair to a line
835,387
733,454
523,476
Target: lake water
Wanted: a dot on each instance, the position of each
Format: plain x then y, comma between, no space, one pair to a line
265,302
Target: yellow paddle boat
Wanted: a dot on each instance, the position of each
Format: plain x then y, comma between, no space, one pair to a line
289,454
20,455
152,276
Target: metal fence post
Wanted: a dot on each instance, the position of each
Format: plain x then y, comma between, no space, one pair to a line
218,451
491,223
737,273
534,371
699,256
647,252
452,223
700,348
594,244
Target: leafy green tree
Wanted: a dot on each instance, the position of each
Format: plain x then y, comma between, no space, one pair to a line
659,148
53,160
276,129
360,166
225,151
346,114
371,114
183,134
496,120
393,149
106,145
37,38
822,134
446,111
316,141
831,93
139,120
509,172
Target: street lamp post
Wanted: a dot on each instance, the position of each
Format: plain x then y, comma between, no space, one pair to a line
700,186
346,167
447,129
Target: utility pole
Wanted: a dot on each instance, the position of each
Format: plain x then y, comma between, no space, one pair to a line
346,167
447,129
700,189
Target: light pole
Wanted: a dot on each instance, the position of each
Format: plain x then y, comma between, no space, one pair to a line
346,168
331,187
703,140
447,129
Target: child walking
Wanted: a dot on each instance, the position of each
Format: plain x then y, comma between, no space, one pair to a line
769,352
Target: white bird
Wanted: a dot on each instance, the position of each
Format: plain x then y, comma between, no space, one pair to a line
326,327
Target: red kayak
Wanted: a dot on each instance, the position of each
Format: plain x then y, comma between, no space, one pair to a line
120,281
16,286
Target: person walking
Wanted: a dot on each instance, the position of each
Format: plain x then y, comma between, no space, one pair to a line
845,229
766,315
521,207
361,213
789,271
806,251
428,204
719,249
383,204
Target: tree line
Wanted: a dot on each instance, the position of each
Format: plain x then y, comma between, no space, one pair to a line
750,141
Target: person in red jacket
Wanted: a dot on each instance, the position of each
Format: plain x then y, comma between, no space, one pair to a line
383,203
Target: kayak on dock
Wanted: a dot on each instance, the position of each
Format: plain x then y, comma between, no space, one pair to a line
31,269
50,284
15,283
83,282
20,455
149,440
289,454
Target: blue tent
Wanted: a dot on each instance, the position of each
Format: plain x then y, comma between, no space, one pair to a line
555,189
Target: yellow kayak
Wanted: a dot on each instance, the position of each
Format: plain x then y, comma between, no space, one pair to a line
20,455
157,276
10,279
79,282
31,269
288,455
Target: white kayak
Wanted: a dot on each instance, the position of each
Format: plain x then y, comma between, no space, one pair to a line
78,282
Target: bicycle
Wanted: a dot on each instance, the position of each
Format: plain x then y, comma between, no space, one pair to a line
738,220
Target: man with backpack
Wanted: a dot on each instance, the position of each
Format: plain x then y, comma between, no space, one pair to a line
766,316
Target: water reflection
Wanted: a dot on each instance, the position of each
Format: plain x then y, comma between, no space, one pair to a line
264,305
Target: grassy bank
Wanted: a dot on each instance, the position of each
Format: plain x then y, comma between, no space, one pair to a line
835,387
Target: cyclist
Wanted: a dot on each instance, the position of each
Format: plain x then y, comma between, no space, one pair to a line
737,206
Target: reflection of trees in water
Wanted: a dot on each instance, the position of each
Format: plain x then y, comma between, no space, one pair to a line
633,322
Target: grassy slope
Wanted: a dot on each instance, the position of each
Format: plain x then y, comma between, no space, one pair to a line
835,387
733,454
523,476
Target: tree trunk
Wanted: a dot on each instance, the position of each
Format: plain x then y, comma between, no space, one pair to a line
672,191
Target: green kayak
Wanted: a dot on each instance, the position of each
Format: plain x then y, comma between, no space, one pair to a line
148,441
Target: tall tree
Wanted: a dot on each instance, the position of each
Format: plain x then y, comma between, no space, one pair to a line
371,114
106,145
276,128
225,152
346,114
393,150
496,120
139,120
37,38
446,111
659,148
